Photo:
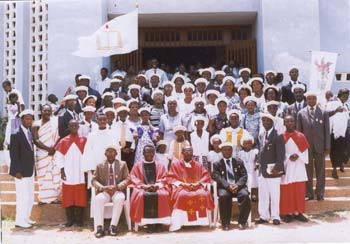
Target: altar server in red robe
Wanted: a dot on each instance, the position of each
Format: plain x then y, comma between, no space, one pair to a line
292,202
69,153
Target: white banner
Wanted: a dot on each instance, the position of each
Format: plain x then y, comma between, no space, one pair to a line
118,36
322,71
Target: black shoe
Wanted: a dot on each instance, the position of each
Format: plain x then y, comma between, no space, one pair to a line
150,229
342,168
276,222
70,216
99,232
301,218
309,198
226,227
335,174
158,228
261,221
320,198
112,230
288,218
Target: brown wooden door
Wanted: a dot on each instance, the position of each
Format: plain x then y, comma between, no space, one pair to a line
244,52
133,58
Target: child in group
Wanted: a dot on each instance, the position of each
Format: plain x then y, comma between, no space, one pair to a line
199,139
249,155
13,110
161,156
215,154
176,145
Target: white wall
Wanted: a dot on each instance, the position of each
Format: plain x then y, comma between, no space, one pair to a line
68,20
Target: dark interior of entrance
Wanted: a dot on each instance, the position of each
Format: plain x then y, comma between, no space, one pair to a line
173,56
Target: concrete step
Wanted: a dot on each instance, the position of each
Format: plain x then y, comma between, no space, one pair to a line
10,186
337,191
342,181
329,204
340,174
10,196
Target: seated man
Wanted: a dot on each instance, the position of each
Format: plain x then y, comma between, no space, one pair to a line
110,180
150,198
190,199
231,176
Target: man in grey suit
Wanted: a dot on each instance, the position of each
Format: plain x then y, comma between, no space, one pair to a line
314,123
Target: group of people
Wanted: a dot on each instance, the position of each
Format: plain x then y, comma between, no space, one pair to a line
170,140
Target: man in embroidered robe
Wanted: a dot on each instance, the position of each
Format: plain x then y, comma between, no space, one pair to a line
190,198
150,201
69,154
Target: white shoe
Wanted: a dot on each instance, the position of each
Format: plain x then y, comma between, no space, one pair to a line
23,225
31,222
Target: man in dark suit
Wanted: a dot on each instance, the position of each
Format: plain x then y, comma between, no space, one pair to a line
117,89
314,123
84,80
271,159
82,92
22,168
63,120
287,93
300,103
231,177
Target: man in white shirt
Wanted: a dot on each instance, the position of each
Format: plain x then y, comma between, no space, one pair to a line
102,84
156,70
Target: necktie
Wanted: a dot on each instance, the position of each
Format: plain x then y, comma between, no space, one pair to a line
299,106
30,139
155,70
265,137
122,135
312,114
111,175
230,175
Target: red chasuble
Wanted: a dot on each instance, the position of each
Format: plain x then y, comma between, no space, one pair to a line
137,203
198,200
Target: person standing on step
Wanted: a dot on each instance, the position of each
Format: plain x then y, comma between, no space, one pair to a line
69,154
292,202
314,123
22,168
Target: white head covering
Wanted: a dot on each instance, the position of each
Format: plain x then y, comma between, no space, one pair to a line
171,99
267,115
26,112
197,100
246,137
155,75
122,108
118,74
224,67
273,102
89,96
201,80
108,94
206,70
212,92
84,77
220,72
188,85
228,78
81,88
270,71
271,87
161,142
118,100
197,118
178,76
250,98
245,86
235,111
298,86
225,144
134,86
70,97
244,69
220,99
311,93
156,91
215,137
168,83
144,109
178,128
132,100
115,80
115,147
89,109
106,110
250,82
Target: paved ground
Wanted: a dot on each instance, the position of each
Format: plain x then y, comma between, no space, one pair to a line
331,227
